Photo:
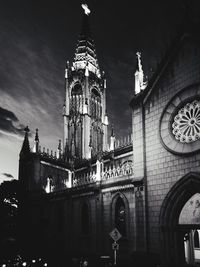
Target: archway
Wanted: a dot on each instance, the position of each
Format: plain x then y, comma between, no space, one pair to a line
173,231
189,220
120,213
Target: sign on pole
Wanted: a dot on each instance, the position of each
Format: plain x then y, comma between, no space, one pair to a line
115,234
115,246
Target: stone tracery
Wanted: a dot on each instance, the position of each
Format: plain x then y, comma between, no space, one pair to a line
186,124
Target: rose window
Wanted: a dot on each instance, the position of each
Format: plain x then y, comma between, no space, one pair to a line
186,124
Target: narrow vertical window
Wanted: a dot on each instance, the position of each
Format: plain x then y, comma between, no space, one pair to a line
120,216
196,239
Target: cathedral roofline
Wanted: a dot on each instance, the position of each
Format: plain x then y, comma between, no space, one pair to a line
25,146
78,162
188,29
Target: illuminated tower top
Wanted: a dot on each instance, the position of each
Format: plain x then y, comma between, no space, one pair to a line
85,56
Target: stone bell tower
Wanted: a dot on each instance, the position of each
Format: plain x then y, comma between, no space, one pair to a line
85,119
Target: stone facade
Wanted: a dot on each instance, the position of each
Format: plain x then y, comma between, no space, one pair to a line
56,215
162,159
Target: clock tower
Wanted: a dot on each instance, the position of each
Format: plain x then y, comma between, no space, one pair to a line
85,119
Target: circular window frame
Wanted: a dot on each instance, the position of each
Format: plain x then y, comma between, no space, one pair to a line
183,118
167,138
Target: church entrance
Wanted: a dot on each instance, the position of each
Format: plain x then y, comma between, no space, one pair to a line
189,220
180,223
192,247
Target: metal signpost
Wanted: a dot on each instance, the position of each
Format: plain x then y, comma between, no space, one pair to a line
115,235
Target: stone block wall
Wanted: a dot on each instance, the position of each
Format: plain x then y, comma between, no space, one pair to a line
164,168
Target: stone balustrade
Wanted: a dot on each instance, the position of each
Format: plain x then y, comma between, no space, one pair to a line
109,172
84,179
113,172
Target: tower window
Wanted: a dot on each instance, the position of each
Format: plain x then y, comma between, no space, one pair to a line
76,104
95,93
77,89
120,216
85,219
95,106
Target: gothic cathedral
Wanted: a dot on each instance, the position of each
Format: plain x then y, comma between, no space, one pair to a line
145,188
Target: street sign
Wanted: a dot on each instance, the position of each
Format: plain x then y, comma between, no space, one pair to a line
115,234
115,246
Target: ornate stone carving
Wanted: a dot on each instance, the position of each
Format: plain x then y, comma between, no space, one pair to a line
180,122
124,170
186,124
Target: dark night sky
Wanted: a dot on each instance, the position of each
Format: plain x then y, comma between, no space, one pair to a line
38,37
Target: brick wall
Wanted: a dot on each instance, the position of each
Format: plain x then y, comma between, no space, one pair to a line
164,168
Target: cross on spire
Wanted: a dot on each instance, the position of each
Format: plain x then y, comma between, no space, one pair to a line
85,55
86,9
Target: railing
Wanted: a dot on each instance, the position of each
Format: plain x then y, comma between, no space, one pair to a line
49,154
122,142
83,179
125,170
114,172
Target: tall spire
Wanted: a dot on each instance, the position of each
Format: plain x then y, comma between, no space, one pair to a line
36,142
140,84
85,29
85,54
112,140
59,150
25,146
85,119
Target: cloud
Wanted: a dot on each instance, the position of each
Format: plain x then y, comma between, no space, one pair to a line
7,175
9,123
32,80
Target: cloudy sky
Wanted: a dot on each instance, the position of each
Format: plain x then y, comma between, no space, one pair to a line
36,40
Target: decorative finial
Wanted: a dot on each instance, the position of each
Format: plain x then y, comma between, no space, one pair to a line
86,70
25,146
90,143
112,131
138,54
86,9
59,144
26,129
140,84
112,139
59,150
36,135
36,142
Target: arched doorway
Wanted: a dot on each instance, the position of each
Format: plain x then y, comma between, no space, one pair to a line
177,222
189,220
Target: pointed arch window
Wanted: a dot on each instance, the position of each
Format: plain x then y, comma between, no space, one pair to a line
85,225
96,94
76,98
120,216
196,239
96,109
77,89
